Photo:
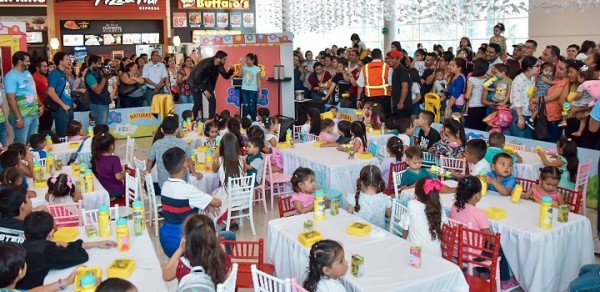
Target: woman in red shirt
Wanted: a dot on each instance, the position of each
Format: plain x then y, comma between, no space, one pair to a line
554,100
318,82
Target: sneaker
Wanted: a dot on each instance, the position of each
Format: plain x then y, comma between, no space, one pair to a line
597,246
530,124
562,124
234,227
509,285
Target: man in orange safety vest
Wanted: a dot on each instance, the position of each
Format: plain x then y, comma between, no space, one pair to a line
375,81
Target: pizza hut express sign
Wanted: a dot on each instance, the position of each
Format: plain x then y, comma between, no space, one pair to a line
142,4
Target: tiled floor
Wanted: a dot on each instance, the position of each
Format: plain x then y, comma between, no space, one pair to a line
260,218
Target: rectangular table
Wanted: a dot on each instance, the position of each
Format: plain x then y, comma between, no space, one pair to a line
541,260
64,151
341,173
194,140
530,167
386,265
91,200
148,273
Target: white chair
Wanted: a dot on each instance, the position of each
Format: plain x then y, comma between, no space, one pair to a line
139,164
229,284
129,150
240,191
90,217
297,287
42,162
459,165
131,189
153,204
266,283
398,211
581,183
296,130
397,179
84,157
67,214
516,146
312,138
62,139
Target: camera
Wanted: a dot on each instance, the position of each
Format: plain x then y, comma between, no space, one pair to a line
109,71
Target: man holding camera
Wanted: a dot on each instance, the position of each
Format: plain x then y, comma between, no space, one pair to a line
59,93
96,82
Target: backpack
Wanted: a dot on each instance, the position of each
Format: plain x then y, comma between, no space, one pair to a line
196,281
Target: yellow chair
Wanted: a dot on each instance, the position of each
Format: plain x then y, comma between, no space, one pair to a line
162,105
433,104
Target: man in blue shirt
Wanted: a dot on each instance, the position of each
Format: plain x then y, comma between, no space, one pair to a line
22,98
96,82
59,90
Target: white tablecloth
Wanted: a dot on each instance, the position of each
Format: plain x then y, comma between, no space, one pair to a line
194,140
341,172
64,152
148,273
91,200
386,265
208,183
530,167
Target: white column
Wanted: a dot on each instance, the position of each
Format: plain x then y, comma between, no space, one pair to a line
392,26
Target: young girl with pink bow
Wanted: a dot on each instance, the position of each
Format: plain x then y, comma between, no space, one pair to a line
61,190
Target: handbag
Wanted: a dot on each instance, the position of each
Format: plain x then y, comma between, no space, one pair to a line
50,103
540,129
126,89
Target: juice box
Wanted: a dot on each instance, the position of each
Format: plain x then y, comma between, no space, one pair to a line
308,225
415,256
358,265
563,213
334,206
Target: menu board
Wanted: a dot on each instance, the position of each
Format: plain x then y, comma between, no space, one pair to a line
93,40
112,39
150,38
132,38
35,37
72,40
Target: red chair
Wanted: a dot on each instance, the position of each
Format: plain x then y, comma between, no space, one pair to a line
448,240
572,198
246,254
286,209
526,183
476,249
394,167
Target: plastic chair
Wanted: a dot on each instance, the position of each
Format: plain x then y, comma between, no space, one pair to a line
433,104
240,191
286,209
68,214
90,217
397,181
429,159
62,139
398,211
581,183
377,150
266,283
247,254
296,130
229,284
152,203
84,157
373,148
260,192
526,183
448,241
391,184
572,198
312,138
131,189
320,182
459,165
277,181
297,287
475,249
139,164
129,150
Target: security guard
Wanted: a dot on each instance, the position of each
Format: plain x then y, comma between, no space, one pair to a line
375,81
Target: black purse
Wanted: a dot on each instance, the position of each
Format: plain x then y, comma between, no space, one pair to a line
540,129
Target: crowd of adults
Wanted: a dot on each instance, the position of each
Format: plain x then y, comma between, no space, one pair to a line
338,75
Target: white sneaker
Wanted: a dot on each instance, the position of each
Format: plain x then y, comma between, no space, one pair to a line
597,246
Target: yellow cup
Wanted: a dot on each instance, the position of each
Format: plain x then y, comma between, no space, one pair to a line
516,193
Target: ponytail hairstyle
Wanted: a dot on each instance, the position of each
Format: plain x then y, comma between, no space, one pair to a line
327,123
395,147
468,187
269,122
253,58
221,119
500,26
550,172
370,176
359,130
344,127
300,175
569,152
74,128
315,121
202,247
433,208
60,185
322,254
456,126
233,125
230,152
255,132
101,144
10,176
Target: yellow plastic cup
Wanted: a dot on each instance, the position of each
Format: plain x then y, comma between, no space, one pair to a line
516,193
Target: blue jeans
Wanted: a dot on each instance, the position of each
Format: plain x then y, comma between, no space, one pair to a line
100,113
31,126
227,235
3,133
555,131
150,94
186,98
249,99
62,119
514,128
588,279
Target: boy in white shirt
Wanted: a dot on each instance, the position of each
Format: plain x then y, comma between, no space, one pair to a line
475,150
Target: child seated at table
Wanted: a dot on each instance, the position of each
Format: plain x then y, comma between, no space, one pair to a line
405,128
497,141
254,159
11,158
187,114
86,145
373,115
246,123
414,172
25,164
327,126
343,130
359,137
44,255
13,268
12,177
453,142
334,112
107,166
61,190
180,200
211,131
261,114
38,144
233,127
271,131
464,210
475,150
303,185
313,122
199,247
566,160
327,264
500,179
75,131
547,186
427,135
422,224
395,149
369,202
221,121
116,285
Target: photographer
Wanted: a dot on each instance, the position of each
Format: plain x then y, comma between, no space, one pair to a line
96,82
59,93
